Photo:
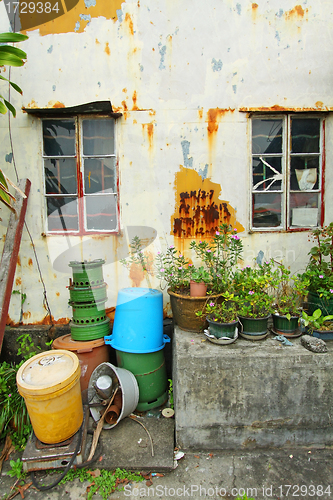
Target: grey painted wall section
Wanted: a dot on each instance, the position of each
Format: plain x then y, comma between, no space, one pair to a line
164,65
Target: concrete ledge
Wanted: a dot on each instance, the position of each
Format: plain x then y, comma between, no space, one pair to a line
250,393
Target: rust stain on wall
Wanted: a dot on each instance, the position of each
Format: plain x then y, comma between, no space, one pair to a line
296,12
18,260
134,99
150,133
107,49
18,281
136,274
200,113
277,108
30,262
58,105
129,22
72,20
199,211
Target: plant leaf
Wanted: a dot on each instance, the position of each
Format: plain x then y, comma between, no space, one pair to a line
3,108
10,107
12,37
8,49
10,60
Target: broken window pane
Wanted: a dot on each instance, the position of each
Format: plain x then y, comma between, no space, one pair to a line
305,135
267,173
266,136
59,137
62,214
99,175
101,212
304,173
60,176
98,137
266,209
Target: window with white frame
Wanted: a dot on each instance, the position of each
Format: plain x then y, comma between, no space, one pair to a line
80,174
287,158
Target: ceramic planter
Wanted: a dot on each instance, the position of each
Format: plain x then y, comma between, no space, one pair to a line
283,325
316,302
222,329
198,289
254,326
323,334
184,308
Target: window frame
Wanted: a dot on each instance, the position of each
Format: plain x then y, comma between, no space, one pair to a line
286,156
80,181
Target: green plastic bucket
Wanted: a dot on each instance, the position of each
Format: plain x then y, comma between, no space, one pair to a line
92,331
254,326
87,273
150,373
88,294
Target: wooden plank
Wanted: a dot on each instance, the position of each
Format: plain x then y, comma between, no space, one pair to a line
10,252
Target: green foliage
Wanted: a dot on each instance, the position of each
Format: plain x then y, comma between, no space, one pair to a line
16,469
103,481
289,292
10,56
199,275
244,497
222,312
317,321
139,258
171,393
319,271
14,417
172,268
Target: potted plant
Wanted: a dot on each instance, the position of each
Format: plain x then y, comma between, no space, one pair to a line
217,256
319,271
289,294
255,304
222,317
318,325
199,280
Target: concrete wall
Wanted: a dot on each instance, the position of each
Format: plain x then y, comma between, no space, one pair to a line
184,75
250,394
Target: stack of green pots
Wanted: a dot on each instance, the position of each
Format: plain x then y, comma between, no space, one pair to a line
87,297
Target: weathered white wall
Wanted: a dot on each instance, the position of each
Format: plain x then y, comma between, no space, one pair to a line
165,65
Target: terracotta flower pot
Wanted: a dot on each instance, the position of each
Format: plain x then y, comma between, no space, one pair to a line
198,289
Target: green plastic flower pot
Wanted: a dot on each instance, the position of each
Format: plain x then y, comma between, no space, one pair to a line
284,325
87,273
316,302
222,329
254,326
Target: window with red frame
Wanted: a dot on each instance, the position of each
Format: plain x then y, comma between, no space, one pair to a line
80,175
287,164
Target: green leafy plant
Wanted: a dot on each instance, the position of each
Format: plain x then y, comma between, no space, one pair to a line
253,286
170,393
139,258
199,275
319,271
23,299
317,321
14,417
289,292
172,269
220,255
103,481
16,469
221,312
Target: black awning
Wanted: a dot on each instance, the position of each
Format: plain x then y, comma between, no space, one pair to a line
97,107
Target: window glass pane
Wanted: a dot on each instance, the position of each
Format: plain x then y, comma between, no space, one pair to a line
304,209
59,137
60,176
98,137
101,212
99,175
305,135
304,173
266,136
266,209
267,173
62,214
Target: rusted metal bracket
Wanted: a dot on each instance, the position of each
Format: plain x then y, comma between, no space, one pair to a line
10,252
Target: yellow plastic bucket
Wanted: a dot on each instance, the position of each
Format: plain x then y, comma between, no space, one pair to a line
50,385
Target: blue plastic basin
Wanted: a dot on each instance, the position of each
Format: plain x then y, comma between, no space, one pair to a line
138,321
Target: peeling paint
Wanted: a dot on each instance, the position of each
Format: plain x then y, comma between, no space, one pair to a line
69,21
319,106
188,160
9,158
217,65
162,51
199,211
